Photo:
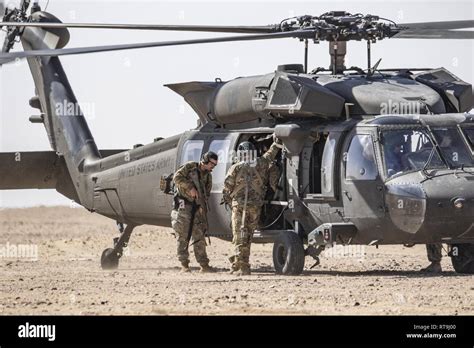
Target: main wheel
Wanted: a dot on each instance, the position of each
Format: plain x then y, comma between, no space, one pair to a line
288,254
462,258
109,259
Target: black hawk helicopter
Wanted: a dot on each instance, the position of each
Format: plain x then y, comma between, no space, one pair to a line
372,157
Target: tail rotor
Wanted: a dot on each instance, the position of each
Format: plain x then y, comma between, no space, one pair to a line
12,14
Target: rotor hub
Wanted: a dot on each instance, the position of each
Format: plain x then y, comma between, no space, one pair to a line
342,26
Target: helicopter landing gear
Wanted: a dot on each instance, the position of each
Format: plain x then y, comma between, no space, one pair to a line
314,252
110,257
288,254
462,258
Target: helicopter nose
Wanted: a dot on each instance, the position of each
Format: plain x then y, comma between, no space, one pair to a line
435,208
450,204
406,204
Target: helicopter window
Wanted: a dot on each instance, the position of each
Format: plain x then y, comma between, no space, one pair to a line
327,164
469,133
409,150
453,147
361,159
316,163
221,148
192,150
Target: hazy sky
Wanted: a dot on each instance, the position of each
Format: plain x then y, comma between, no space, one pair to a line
122,92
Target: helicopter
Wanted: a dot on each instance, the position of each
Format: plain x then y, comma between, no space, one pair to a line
371,156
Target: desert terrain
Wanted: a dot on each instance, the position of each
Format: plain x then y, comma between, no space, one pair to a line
66,278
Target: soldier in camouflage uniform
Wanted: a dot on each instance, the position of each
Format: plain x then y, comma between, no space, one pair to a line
244,190
193,182
434,256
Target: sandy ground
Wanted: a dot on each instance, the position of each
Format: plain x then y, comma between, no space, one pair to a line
66,277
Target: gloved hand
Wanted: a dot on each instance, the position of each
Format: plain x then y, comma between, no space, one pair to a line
277,141
226,204
225,200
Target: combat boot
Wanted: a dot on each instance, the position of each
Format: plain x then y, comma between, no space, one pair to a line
207,269
233,269
185,267
434,267
243,271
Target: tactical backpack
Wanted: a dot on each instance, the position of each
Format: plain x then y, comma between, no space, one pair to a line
167,184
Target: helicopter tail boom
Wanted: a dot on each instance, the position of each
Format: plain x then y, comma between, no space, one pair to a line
65,124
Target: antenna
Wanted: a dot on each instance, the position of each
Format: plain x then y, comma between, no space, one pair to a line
369,64
306,56
371,71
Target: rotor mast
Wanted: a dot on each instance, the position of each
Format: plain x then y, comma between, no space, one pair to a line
337,51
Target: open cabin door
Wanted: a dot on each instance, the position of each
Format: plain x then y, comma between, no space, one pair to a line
219,218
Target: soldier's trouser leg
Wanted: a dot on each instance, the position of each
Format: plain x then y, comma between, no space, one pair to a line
434,252
199,239
242,239
180,220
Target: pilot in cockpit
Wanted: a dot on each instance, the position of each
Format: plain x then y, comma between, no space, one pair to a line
393,149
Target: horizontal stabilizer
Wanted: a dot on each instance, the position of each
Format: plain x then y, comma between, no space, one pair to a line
30,170
38,170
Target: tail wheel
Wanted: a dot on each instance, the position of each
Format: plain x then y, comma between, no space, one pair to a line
462,258
288,254
109,259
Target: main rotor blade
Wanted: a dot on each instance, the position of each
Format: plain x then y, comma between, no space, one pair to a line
439,25
204,28
82,50
434,34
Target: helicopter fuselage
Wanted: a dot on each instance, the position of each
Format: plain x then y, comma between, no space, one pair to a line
369,157
327,181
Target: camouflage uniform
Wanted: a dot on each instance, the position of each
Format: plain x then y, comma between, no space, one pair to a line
273,176
181,214
256,176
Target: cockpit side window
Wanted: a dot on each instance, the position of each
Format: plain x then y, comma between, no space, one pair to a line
453,147
327,165
360,159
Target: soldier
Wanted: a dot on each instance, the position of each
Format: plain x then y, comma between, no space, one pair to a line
393,153
244,189
193,182
434,256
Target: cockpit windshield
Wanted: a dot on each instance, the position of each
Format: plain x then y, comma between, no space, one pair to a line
407,150
411,149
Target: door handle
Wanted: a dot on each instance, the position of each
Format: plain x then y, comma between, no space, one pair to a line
348,195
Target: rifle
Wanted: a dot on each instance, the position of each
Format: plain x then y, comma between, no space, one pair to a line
191,224
244,213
